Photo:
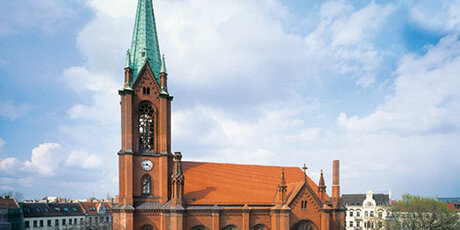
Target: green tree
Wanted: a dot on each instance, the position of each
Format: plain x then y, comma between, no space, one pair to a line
421,213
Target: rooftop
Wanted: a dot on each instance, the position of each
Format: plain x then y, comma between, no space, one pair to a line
237,184
358,199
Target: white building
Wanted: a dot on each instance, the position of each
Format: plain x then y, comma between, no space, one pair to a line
47,216
366,211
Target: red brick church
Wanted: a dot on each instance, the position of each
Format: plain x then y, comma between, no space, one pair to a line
157,190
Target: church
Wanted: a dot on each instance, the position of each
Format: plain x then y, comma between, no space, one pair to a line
159,191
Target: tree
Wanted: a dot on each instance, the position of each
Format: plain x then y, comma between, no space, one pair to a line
421,213
18,195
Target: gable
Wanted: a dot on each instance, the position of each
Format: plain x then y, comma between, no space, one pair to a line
146,78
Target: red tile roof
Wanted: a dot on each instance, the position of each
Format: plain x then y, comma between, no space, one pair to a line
86,207
451,206
8,203
219,183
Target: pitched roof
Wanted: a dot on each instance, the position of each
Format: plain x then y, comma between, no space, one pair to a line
358,199
51,209
237,184
91,207
8,203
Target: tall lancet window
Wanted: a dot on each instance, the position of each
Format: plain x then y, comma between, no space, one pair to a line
146,185
146,127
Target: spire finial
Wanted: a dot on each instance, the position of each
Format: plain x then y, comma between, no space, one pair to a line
283,180
321,184
163,65
128,59
305,171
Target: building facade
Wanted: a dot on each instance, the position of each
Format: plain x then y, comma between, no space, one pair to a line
366,211
98,215
11,217
157,190
53,216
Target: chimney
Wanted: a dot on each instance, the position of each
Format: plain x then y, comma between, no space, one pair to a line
335,179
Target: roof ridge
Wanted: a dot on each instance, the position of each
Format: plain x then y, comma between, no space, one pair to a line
277,166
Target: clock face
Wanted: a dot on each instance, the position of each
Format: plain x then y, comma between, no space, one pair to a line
147,165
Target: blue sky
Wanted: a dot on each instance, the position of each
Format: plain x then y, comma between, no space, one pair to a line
375,84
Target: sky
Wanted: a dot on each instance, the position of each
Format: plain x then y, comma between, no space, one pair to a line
374,84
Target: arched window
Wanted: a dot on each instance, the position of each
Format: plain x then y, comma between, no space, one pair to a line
259,227
146,127
147,227
230,227
304,225
199,227
146,185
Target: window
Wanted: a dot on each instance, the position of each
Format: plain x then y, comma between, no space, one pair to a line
66,209
380,224
351,213
146,185
48,223
41,223
457,206
37,209
147,227
56,223
230,227
70,221
91,208
35,223
74,209
26,209
63,221
357,223
27,224
365,213
372,213
57,209
259,227
380,214
303,204
351,223
45,209
146,127
358,212
75,221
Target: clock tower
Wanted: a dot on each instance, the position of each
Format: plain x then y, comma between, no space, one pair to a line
145,158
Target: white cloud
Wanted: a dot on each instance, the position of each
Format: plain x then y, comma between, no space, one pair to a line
83,159
426,97
12,111
45,158
45,16
342,40
436,16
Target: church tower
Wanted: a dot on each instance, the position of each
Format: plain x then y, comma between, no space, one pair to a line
145,159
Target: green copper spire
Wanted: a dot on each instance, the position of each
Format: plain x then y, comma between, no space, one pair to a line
144,44
163,65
